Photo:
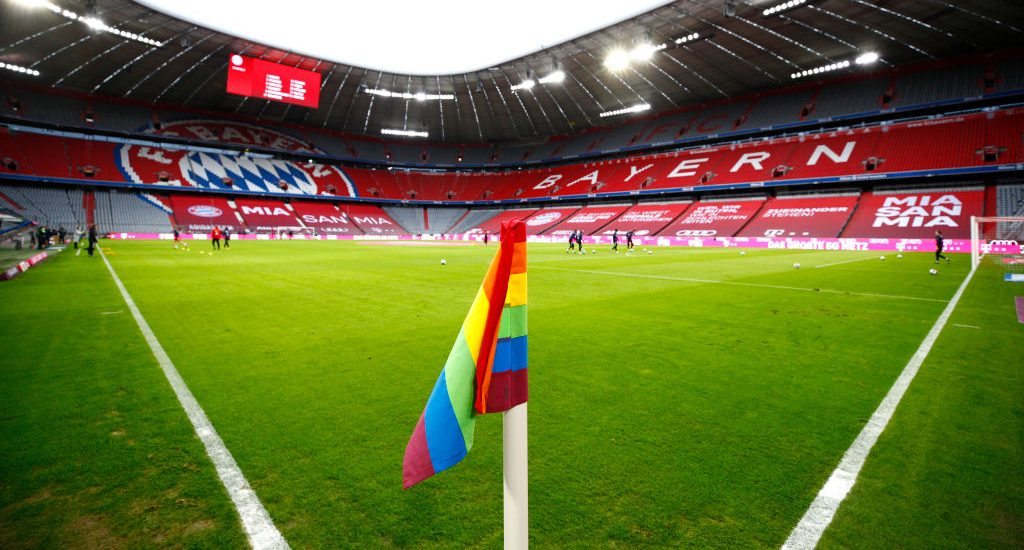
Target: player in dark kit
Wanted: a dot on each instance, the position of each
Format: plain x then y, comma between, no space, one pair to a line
227,238
572,242
92,239
177,239
615,240
629,240
939,244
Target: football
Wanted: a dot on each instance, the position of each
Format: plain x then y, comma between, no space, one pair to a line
443,261
743,252
933,271
899,256
796,265
881,258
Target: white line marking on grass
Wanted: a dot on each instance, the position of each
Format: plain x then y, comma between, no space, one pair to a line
735,283
808,532
256,522
846,262
965,326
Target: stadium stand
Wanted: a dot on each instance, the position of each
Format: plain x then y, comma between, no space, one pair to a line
197,214
47,206
442,220
263,216
129,213
589,220
371,220
409,218
490,220
914,87
646,219
917,214
822,215
1010,200
848,98
325,218
714,218
952,84
545,219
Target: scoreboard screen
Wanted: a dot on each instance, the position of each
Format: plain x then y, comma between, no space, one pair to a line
257,78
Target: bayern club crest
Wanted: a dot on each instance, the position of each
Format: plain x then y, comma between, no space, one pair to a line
543,218
225,170
204,211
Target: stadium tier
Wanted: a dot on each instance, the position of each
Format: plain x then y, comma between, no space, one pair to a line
721,218
589,220
266,215
646,219
980,141
821,216
491,224
325,218
200,214
371,220
545,219
806,104
917,215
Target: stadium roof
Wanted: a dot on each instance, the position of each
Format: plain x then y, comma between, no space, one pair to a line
696,51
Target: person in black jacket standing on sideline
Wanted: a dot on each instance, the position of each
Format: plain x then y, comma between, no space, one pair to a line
92,238
939,244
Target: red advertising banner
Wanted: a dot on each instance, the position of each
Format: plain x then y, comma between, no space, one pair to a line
257,78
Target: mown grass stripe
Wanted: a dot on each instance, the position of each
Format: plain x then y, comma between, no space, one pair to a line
823,509
259,528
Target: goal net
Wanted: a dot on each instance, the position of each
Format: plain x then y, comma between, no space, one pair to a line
1001,239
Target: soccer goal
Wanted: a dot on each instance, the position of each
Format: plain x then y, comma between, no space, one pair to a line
1000,237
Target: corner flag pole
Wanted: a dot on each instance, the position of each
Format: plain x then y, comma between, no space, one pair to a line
517,525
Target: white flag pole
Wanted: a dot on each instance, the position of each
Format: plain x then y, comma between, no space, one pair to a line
517,525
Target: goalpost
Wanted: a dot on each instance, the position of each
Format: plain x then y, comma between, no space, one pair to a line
1002,238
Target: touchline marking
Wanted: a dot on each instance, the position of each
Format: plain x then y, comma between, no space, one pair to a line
256,522
965,326
845,262
808,532
735,283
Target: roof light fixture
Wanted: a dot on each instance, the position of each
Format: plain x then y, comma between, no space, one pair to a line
642,52
406,133
688,38
19,69
822,69
634,109
617,60
555,77
866,58
785,6
419,96
92,22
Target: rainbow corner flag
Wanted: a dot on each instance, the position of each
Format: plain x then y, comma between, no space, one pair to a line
486,369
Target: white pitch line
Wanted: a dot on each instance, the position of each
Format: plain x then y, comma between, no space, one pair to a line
819,515
256,522
846,262
735,283
965,326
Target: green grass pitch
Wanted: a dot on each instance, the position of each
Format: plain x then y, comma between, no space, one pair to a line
685,398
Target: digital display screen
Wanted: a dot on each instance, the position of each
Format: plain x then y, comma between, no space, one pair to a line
257,78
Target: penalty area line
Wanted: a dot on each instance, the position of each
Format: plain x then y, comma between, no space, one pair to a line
823,509
259,528
736,283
